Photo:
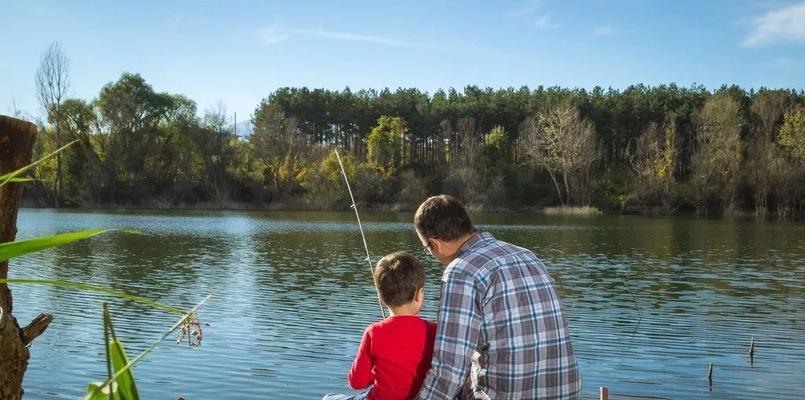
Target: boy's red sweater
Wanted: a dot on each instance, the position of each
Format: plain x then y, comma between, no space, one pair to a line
394,355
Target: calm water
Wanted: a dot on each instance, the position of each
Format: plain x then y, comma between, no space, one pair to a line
293,295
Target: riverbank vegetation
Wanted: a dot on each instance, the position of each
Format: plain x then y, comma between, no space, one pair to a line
19,135
662,149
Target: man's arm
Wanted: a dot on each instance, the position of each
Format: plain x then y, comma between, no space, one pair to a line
456,338
360,375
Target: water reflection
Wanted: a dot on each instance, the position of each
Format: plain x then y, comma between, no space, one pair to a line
294,293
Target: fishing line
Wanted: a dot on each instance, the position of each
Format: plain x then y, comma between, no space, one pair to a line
360,227
629,288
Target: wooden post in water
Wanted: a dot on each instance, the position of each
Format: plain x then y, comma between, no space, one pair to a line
603,393
16,148
752,351
710,376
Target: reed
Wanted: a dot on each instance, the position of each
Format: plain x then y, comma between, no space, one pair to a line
120,384
585,211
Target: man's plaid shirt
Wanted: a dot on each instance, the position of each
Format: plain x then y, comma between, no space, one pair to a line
501,333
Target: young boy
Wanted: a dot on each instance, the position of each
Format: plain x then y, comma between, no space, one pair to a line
395,353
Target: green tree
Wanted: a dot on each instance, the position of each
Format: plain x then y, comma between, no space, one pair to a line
497,145
385,143
323,181
277,145
146,154
82,164
792,133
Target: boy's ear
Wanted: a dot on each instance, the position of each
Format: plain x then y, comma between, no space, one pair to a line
420,295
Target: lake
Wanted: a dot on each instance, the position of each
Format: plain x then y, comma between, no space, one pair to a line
650,301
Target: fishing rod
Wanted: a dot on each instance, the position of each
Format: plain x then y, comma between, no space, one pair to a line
360,227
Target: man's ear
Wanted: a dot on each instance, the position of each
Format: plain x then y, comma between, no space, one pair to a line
437,244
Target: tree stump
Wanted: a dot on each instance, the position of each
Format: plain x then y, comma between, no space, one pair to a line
16,148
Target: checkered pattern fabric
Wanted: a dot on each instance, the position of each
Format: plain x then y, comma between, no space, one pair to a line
501,332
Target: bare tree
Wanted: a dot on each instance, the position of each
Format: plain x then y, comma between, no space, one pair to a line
562,142
52,82
469,140
463,178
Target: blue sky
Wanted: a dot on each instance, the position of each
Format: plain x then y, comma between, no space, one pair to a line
236,53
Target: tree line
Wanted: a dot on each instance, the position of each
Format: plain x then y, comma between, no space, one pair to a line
644,149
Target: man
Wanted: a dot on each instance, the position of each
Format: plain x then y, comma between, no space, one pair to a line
501,333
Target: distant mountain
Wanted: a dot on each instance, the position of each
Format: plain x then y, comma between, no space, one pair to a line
244,128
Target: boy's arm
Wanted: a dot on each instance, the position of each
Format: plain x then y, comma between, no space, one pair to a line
360,375
456,338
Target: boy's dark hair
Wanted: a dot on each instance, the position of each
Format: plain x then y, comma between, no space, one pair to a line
442,217
398,276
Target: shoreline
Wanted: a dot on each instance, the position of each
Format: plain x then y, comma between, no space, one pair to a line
571,211
300,206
